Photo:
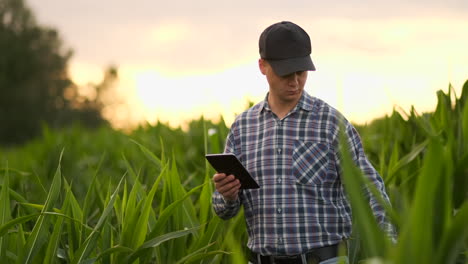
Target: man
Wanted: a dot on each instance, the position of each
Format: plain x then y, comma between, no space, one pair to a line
289,143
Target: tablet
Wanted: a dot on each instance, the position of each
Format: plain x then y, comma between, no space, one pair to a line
229,164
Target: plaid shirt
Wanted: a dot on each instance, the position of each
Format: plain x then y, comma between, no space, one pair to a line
301,203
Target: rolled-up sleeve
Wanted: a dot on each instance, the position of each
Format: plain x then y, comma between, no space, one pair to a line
225,209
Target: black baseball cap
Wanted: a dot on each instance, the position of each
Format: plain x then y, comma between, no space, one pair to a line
286,47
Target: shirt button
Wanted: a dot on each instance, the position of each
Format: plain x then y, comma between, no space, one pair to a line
280,240
278,180
279,210
279,150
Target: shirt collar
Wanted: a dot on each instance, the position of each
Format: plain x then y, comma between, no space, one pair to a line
305,103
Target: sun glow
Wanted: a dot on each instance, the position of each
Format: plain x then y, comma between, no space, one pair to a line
168,33
177,99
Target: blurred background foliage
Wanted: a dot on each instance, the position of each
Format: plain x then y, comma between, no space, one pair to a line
35,87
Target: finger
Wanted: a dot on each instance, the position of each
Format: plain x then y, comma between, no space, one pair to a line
225,180
226,183
232,193
227,187
219,177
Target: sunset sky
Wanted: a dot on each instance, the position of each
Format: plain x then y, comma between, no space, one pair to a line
178,60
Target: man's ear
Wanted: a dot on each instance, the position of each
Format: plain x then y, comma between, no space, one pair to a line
262,66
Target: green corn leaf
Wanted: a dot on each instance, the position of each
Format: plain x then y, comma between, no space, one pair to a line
201,254
416,236
90,196
181,217
454,237
22,219
17,221
383,167
193,256
114,250
189,218
422,122
155,242
149,154
141,228
19,172
120,204
16,196
236,255
169,210
39,182
131,215
231,238
408,158
4,211
204,202
88,244
89,261
464,123
163,155
133,176
75,210
54,240
393,161
67,217
39,207
460,187
20,237
464,96
165,192
389,211
373,240
205,195
106,241
212,229
40,231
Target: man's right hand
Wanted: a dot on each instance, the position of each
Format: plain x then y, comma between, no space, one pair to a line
227,185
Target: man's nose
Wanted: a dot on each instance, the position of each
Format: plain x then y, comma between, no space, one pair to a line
293,79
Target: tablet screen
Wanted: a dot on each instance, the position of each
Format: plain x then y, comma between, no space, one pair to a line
229,164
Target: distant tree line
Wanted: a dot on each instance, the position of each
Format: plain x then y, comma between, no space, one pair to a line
35,87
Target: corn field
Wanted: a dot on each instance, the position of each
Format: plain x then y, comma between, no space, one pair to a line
105,196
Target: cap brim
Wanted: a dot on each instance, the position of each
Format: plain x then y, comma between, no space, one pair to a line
288,66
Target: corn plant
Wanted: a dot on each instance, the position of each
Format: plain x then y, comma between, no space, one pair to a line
104,196
428,186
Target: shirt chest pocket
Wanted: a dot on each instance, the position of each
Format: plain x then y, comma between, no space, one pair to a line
311,163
